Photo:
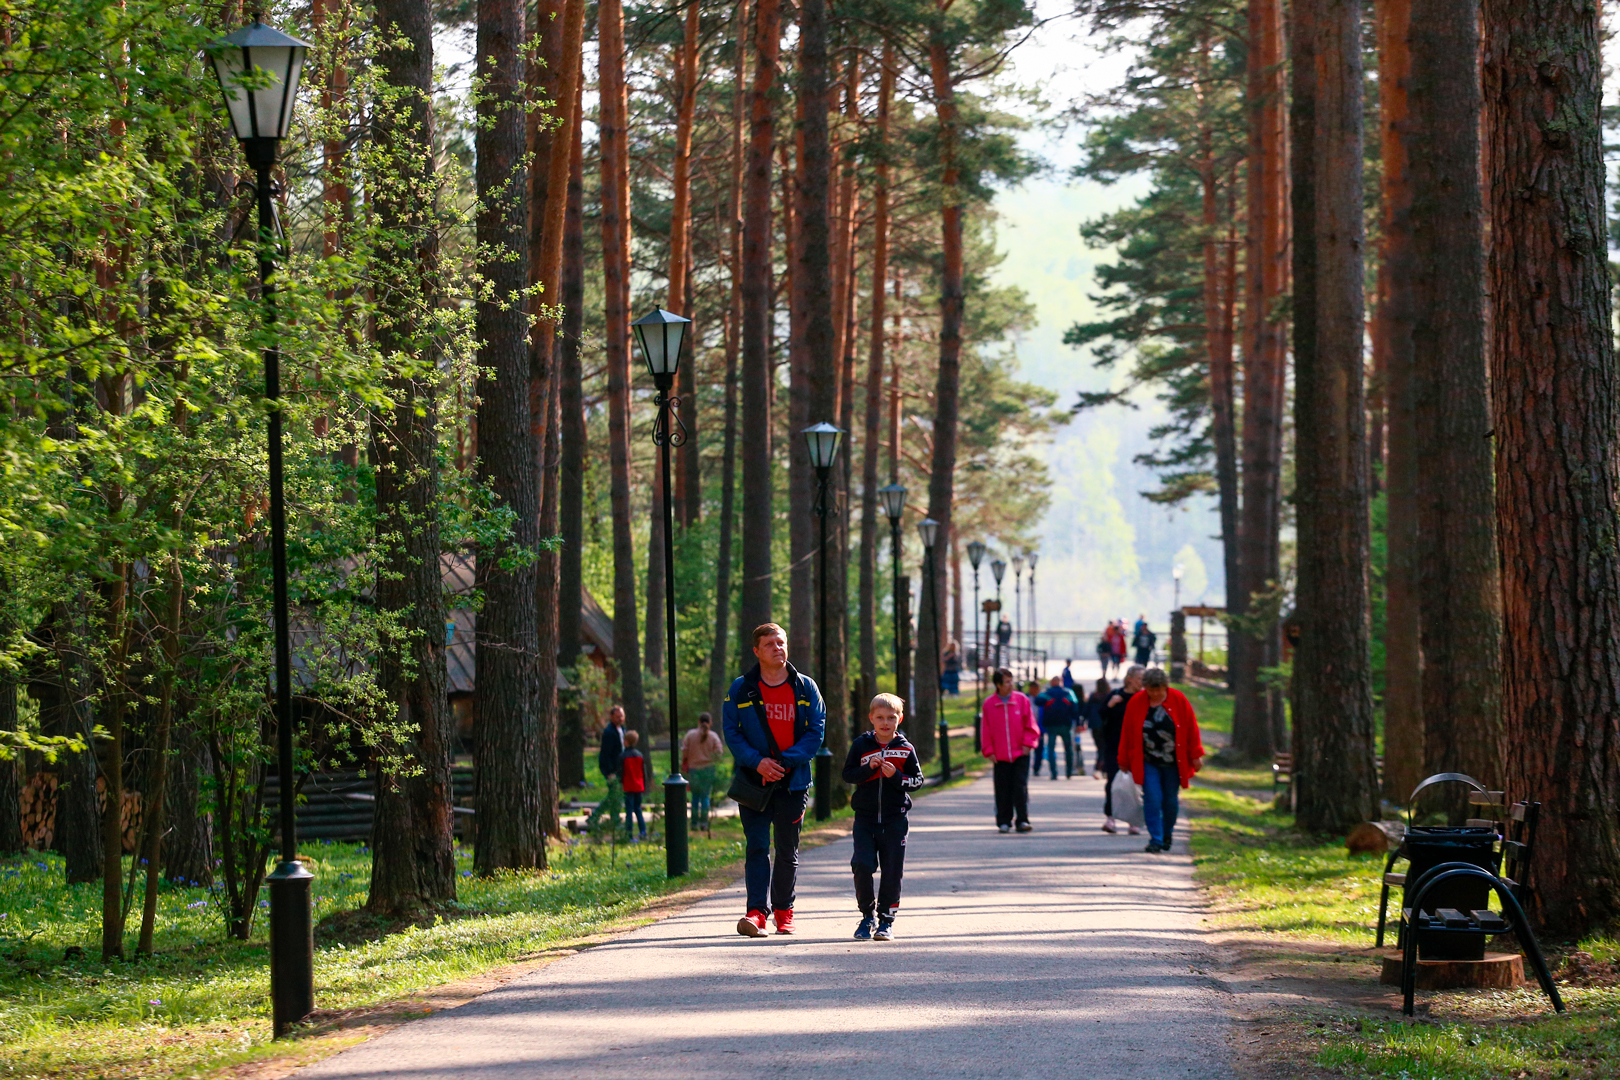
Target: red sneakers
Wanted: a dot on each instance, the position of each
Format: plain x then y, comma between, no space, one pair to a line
752,924
784,920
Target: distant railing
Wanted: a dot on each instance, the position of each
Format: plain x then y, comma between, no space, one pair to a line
1081,645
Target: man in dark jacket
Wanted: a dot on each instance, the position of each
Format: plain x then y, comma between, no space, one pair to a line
609,759
774,720
883,768
1058,712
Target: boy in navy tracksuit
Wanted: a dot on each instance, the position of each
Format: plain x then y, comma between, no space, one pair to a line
884,768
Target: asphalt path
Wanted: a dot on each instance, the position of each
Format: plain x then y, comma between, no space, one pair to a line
1064,951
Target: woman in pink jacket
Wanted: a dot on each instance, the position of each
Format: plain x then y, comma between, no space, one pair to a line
1007,733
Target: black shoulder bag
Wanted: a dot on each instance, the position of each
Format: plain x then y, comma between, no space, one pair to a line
744,789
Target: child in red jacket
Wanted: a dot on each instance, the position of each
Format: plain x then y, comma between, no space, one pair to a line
633,770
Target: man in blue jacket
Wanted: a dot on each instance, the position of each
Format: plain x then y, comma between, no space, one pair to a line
774,719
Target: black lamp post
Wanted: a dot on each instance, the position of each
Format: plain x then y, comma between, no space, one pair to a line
1018,611
976,556
258,70
822,441
661,334
997,569
1034,643
893,498
928,530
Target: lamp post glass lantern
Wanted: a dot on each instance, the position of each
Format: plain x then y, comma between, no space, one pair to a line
258,70
1175,573
822,442
661,334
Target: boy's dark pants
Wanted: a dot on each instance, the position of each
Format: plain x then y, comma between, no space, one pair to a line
1012,790
879,843
786,812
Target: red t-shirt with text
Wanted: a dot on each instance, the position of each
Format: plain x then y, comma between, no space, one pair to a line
779,711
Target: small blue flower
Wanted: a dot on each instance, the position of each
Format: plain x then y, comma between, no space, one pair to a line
466,873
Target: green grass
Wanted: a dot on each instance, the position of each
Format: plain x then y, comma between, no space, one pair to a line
1214,707
1263,876
1273,884
200,1003
201,1000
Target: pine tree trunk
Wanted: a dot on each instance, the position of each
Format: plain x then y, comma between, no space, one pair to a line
615,188
1392,349
508,811
812,278
188,848
720,671
1218,286
61,702
11,837
872,442
1335,777
814,274
156,794
562,37
1459,590
571,478
1555,393
1263,372
688,479
942,465
755,603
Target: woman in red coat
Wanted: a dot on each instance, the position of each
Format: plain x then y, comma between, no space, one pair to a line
1160,747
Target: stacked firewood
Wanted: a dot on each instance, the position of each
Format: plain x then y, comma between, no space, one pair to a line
38,804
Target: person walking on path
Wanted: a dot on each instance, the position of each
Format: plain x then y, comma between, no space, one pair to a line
1161,747
1068,676
774,720
1116,642
1007,733
950,670
1058,712
883,768
1105,650
1113,722
699,751
607,761
1091,711
1003,639
1143,642
1032,690
633,774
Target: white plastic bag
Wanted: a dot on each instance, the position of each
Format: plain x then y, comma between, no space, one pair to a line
1127,800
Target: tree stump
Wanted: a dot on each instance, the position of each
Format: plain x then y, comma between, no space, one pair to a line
1498,971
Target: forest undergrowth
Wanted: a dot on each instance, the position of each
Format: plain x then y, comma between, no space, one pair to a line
1294,918
200,1004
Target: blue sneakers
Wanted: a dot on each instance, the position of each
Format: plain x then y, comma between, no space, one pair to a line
863,932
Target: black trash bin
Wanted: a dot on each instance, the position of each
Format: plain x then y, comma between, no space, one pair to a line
1427,846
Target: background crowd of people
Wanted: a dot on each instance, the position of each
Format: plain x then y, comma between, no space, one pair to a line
1144,728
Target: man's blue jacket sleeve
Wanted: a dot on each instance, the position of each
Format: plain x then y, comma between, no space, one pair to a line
741,749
